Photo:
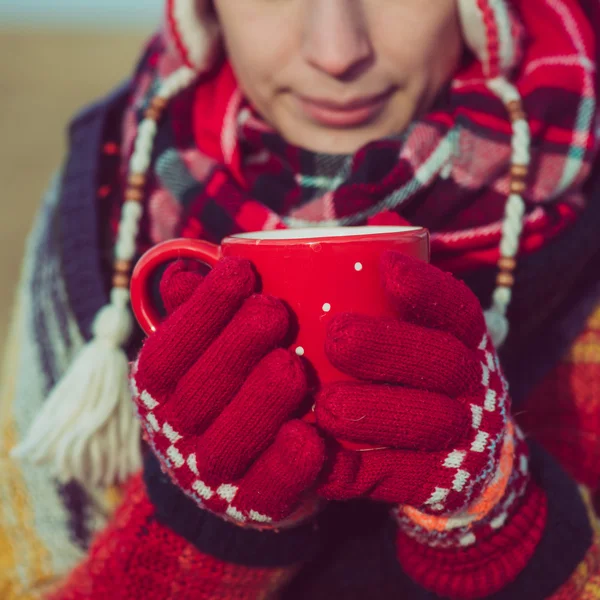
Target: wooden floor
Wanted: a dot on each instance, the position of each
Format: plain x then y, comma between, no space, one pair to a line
44,78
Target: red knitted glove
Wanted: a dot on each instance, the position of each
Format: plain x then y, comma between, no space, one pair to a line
216,394
435,398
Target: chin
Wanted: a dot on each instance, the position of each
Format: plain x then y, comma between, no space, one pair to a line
339,141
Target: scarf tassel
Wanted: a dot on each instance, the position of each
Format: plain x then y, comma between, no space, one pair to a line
87,429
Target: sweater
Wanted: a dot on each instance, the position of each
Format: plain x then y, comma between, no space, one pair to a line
46,528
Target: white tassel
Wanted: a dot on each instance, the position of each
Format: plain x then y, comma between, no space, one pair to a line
497,326
87,429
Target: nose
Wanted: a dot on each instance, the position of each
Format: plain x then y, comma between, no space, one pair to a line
336,38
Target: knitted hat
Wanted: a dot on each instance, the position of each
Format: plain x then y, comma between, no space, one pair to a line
488,29
192,32
87,428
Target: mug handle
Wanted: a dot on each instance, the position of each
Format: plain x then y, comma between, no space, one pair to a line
148,316
143,308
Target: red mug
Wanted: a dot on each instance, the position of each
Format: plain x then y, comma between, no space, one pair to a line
318,272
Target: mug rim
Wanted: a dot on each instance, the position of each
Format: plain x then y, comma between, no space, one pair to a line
320,234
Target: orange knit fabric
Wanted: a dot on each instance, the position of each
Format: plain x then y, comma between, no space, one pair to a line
563,413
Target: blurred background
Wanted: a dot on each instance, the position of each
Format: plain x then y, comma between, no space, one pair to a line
55,57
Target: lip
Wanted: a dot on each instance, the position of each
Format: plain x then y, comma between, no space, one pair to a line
351,113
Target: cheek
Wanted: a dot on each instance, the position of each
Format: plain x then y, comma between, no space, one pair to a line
260,47
421,42
259,76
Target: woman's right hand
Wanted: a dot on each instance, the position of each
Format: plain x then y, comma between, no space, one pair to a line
217,393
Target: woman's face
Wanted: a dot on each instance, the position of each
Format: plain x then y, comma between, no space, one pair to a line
332,75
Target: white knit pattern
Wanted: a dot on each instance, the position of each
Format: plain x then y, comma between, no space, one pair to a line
481,441
176,460
466,527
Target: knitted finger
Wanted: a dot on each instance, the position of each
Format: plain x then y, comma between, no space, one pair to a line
450,478
424,295
178,283
384,475
391,416
211,383
389,351
187,333
276,484
274,390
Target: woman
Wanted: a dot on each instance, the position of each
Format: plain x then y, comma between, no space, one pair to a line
475,119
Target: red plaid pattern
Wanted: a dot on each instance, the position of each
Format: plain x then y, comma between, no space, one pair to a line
448,172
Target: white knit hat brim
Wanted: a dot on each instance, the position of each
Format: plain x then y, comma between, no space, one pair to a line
489,31
192,32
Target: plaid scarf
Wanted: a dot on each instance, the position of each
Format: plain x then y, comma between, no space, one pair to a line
449,171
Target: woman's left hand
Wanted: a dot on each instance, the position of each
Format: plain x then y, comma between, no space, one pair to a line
431,393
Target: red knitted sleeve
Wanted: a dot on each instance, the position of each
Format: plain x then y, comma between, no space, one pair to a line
138,557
